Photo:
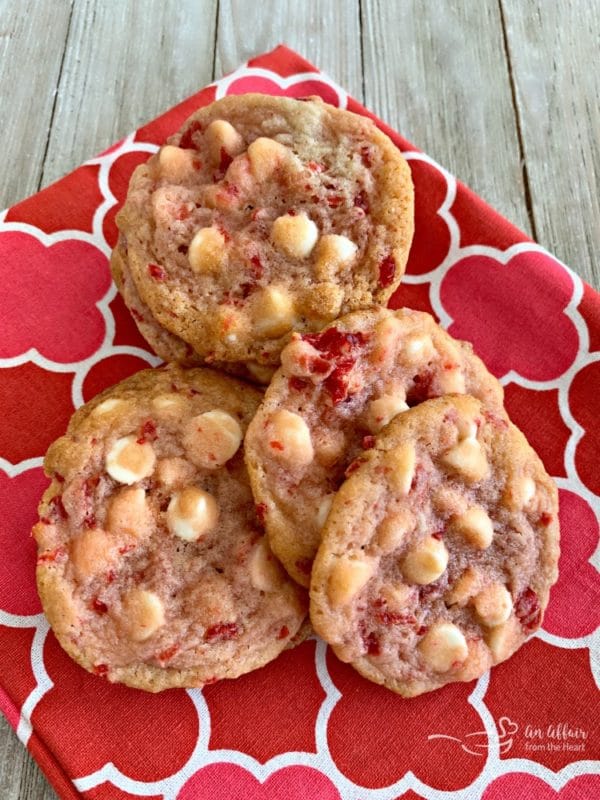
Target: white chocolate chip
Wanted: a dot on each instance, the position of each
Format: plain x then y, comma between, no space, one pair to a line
175,163
289,439
111,406
129,514
520,492
451,381
418,350
174,472
221,135
192,513
349,575
143,614
93,551
503,639
493,605
468,458
323,510
265,572
301,359
206,252
127,461
266,156
443,647
294,235
393,529
401,461
274,312
333,252
476,527
466,427
383,410
465,588
425,562
387,337
170,406
212,438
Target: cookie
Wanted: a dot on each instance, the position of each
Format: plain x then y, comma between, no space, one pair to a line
153,568
166,345
262,215
334,392
440,549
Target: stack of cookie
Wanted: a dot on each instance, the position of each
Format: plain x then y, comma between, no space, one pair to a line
188,513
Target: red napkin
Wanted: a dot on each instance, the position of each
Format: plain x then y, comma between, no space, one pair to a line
305,726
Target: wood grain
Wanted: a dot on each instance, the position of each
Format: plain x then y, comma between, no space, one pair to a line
27,91
554,48
20,776
437,72
124,64
326,32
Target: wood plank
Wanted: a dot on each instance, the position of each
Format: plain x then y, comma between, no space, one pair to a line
27,89
327,32
553,49
438,73
125,63
20,776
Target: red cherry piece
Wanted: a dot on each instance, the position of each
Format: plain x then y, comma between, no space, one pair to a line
156,272
225,161
361,201
168,654
98,606
370,641
368,442
275,445
396,618
527,609
387,271
187,139
221,632
283,632
297,383
52,555
148,432
341,347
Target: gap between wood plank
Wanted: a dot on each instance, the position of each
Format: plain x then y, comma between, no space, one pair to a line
55,100
214,59
513,94
361,32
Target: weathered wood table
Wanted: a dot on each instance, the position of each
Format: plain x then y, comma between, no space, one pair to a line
504,93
